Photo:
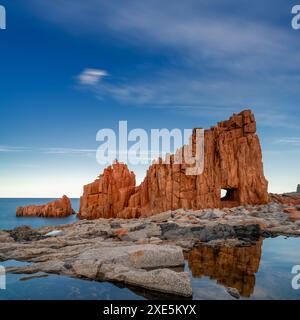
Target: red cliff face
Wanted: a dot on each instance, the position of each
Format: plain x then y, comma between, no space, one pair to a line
55,209
232,161
109,195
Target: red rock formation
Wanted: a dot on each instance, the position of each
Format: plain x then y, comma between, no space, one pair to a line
294,215
55,209
293,212
109,194
290,199
233,161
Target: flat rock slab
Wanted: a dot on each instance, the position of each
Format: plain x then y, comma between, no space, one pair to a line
162,280
108,262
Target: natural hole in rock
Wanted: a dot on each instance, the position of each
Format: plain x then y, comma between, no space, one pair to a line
229,194
223,193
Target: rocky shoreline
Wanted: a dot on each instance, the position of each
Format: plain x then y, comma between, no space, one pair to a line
143,252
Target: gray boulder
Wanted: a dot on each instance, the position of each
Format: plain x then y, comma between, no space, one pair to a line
161,280
213,231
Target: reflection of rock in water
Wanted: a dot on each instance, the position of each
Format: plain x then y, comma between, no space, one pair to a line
231,266
149,294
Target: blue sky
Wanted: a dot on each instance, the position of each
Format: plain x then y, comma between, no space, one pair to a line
164,64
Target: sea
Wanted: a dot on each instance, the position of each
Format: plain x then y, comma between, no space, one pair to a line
267,270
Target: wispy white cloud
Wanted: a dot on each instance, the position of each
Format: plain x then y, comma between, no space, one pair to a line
91,76
7,149
230,56
54,151
202,97
241,40
69,151
290,141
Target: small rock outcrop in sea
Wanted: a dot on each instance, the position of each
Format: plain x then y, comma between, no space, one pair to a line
55,209
232,161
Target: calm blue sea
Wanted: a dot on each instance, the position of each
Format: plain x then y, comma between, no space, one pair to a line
260,272
8,219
